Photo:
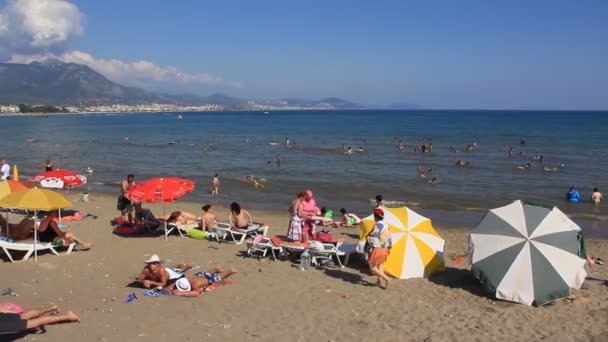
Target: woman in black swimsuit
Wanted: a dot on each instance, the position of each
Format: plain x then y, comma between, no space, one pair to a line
49,231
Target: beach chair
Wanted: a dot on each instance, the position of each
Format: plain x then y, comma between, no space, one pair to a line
328,252
169,227
27,246
262,244
239,236
147,220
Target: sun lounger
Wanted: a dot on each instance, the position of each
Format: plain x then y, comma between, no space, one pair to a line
328,252
27,246
239,236
263,244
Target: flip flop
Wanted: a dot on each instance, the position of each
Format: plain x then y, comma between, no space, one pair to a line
9,292
155,293
130,298
599,261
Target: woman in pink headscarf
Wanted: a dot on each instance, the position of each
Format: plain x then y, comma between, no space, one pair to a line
308,209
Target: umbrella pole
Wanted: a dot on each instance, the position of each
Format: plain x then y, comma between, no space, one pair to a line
165,221
59,215
36,235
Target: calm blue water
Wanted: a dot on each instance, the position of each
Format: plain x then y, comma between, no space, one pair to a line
236,144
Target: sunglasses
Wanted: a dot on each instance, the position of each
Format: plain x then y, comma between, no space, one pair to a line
155,263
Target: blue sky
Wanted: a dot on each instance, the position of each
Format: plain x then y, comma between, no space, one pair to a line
437,54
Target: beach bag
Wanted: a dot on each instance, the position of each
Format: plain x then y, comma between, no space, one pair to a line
324,236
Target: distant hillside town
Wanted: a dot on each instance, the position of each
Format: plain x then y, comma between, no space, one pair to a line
53,86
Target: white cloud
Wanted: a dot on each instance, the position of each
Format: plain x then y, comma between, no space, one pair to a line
29,26
140,73
36,30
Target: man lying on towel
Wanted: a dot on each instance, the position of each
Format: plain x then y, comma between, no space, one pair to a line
155,274
204,282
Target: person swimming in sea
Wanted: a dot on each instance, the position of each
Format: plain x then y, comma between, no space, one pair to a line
525,166
422,172
349,150
462,163
434,181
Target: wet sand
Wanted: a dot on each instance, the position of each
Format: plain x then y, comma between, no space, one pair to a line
271,301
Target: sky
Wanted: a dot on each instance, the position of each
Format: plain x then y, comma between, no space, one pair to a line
477,54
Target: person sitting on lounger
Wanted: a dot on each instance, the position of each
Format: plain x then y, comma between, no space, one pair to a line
49,231
209,218
155,274
239,218
12,321
194,286
181,217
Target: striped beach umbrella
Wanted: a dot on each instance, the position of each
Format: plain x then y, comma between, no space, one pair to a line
417,248
527,253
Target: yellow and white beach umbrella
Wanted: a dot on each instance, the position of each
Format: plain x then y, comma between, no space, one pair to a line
417,248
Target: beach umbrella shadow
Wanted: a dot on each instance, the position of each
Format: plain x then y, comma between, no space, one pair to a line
458,278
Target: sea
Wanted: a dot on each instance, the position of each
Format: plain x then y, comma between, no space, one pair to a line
196,145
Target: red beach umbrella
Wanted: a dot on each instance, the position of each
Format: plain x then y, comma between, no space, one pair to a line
59,179
163,190
160,190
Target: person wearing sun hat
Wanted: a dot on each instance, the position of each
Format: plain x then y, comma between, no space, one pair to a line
201,282
379,240
155,274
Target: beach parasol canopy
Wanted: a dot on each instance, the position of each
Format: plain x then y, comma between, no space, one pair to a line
59,179
35,199
163,190
527,253
417,248
10,185
160,190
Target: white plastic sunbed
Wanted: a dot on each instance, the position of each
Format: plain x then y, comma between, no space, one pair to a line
239,236
28,247
328,252
263,244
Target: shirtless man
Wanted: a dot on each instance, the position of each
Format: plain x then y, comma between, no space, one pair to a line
239,218
596,196
209,218
155,274
124,204
194,286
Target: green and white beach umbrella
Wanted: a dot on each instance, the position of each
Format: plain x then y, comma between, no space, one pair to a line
527,253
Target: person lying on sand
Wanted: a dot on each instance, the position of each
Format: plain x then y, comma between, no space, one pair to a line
12,321
194,286
155,274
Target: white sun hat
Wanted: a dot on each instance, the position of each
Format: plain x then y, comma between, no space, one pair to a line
153,258
183,284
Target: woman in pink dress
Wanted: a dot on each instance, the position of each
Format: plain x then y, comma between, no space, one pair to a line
308,208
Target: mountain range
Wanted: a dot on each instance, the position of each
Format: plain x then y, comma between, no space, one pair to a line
53,82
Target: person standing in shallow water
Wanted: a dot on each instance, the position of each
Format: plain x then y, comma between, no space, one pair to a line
596,196
215,185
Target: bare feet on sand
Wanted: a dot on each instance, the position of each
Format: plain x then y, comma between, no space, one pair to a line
70,316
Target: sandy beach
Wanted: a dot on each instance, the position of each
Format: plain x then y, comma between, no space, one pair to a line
272,301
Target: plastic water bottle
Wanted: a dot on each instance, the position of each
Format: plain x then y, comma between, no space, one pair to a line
305,260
